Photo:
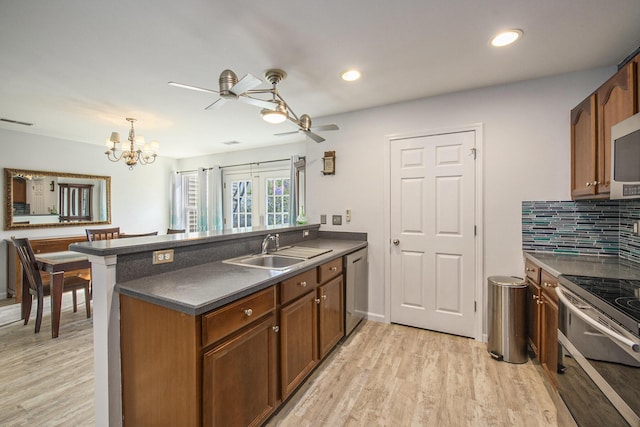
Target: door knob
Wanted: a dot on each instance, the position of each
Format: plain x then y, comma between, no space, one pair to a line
396,242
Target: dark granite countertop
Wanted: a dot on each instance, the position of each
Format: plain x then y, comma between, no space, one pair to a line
168,241
585,265
202,288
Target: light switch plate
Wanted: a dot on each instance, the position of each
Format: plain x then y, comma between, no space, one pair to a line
337,220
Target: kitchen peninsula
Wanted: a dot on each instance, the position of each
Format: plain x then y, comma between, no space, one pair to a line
194,285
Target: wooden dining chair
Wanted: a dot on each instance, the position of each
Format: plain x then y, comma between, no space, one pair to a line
31,272
94,234
175,231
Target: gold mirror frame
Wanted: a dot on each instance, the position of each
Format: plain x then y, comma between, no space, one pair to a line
9,174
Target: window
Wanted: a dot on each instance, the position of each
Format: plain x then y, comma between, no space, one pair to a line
190,186
241,202
277,201
256,198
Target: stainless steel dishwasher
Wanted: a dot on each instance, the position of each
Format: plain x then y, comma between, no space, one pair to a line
356,289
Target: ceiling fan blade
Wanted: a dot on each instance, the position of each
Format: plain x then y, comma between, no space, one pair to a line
325,127
246,83
316,138
184,86
288,133
216,104
258,102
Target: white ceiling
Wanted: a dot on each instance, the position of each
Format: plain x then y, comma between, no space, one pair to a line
77,68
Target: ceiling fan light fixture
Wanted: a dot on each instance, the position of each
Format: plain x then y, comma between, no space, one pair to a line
273,117
506,38
351,75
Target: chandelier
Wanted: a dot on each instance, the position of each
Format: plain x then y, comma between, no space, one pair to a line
137,150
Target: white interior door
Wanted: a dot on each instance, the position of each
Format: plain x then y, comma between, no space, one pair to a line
432,232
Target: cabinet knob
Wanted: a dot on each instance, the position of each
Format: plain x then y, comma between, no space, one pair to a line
529,269
276,329
334,268
324,297
539,302
396,242
303,284
535,297
317,300
248,312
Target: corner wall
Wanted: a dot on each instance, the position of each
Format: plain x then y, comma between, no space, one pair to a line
526,157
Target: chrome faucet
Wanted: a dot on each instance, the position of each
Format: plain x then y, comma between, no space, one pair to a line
265,243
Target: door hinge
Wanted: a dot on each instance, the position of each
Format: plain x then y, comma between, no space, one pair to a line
475,306
474,153
475,230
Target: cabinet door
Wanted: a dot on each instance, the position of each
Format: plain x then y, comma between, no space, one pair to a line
549,357
584,149
331,322
615,103
533,317
239,383
298,341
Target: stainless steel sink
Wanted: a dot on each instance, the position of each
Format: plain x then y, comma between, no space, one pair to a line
267,261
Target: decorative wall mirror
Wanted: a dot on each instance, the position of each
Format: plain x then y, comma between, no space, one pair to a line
39,199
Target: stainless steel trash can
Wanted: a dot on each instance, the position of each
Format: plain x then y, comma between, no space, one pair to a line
507,322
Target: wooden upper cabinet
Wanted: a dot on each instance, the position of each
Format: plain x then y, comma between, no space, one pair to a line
591,123
584,150
616,102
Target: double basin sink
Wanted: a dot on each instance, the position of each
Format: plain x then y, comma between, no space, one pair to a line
280,260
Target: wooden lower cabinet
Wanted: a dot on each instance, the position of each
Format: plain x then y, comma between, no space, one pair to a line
549,357
298,341
534,309
542,316
231,366
239,385
331,315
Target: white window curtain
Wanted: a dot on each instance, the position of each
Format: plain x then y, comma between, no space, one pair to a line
200,192
293,185
209,199
178,214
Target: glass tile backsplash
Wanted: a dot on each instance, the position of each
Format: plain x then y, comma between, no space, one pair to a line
586,227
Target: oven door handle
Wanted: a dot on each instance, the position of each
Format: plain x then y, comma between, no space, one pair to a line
607,331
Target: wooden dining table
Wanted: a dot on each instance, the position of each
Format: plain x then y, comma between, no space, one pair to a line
56,263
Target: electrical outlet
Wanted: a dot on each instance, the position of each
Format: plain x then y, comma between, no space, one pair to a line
323,219
305,233
337,219
163,257
348,215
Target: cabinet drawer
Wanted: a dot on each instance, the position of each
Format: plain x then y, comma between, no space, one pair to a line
549,284
228,319
532,271
296,286
329,270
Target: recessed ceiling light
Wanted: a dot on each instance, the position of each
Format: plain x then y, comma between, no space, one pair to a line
351,75
506,38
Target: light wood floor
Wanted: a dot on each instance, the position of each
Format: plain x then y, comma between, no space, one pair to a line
383,375
392,375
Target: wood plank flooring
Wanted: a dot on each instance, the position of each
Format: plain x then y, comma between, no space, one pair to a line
392,375
383,375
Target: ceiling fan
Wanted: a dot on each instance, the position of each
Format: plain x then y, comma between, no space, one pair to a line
274,110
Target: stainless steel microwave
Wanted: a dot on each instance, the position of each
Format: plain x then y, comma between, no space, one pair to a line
625,159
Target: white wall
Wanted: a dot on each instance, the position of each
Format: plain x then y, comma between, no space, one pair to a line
140,200
526,157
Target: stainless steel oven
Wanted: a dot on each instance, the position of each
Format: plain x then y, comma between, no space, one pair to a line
598,350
